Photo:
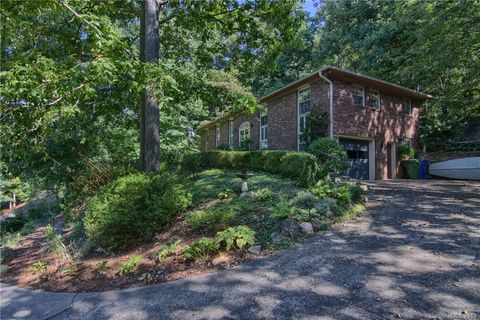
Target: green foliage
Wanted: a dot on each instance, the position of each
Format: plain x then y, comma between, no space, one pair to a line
328,207
281,209
325,188
357,194
295,165
39,267
330,155
23,191
317,128
201,249
225,194
405,150
238,236
13,224
305,200
102,266
211,219
129,266
167,250
130,210
56,244
264,195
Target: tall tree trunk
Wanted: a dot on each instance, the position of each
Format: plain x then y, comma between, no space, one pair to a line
149,113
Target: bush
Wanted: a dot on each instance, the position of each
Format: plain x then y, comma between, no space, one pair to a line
330,155
357,194
201,249
405,150
129,266
281,210
328,207
324,188
167,250
130,210
305,200
264,195
225,194
239,236
210,220
295,165
12,224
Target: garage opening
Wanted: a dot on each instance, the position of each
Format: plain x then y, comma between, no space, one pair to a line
357,152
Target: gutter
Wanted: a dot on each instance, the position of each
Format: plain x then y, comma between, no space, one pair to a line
330,96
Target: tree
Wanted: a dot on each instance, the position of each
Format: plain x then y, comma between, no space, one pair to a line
149,112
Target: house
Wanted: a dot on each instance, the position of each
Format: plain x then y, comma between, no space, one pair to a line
369,117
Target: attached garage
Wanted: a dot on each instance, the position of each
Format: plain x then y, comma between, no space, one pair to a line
360,158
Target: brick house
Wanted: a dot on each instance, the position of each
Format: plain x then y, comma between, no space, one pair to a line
370,117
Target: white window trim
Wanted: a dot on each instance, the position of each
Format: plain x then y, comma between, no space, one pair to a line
360,88
246,123
298,112
264,141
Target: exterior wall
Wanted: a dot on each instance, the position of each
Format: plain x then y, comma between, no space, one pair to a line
384,125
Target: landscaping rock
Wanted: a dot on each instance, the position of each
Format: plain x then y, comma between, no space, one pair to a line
6,255
316,226
220,261
306,227
278,238
255,249
291,228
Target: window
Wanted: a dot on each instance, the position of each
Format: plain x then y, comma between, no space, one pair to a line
230,133
244,135
303,112
263,130
407,142
407,107
373,99
358,96
217,136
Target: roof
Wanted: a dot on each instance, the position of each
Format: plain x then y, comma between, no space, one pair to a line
336,73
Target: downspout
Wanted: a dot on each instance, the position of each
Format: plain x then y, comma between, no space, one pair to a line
330,96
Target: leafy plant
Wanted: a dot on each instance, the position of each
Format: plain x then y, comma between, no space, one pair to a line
305,200
226,194
167,250
56,244
357,194
102,266
211,219
131,209
330,155
281,209
129,266
39,267
328,208
405,151
264,195
239,236
324,188
201,249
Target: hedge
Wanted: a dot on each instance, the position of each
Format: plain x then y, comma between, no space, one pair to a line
300,166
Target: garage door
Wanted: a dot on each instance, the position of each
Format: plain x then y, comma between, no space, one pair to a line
357,152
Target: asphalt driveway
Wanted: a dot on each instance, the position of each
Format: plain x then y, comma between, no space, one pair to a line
414,255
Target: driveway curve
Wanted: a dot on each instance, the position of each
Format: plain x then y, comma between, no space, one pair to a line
413,255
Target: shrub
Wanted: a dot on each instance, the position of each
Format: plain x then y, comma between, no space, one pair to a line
131,209
405,151
56,244
12,224
239,236
191,162
39,267
129,266
357,194
201,249
211,219
328,207
102,266
281,210
324,188
167,250
330,155
264,195
305,200
296,165
225,194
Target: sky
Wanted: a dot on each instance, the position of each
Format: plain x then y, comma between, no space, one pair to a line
309,6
